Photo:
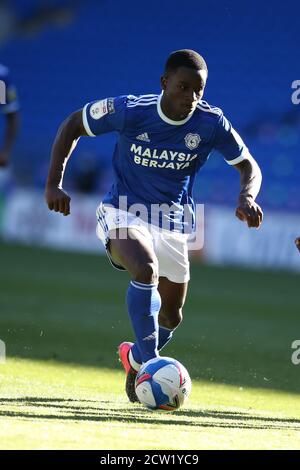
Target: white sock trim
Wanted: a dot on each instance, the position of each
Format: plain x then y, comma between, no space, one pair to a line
146,286
167,329
143,284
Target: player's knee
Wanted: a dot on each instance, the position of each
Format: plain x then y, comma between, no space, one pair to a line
147,273
170,319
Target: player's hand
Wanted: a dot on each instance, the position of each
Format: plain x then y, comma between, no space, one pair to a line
4,158
57,200
297,243
250,212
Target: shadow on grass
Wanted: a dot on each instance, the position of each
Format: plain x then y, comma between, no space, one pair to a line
99,411
77,315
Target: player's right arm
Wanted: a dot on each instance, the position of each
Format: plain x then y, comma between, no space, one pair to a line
65,142
97,117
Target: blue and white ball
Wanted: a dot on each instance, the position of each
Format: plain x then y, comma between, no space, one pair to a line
163,383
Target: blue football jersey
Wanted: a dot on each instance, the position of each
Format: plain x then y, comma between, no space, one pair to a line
156,159
8,94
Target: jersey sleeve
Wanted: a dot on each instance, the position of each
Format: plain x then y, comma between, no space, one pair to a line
107,115
8,93
229,143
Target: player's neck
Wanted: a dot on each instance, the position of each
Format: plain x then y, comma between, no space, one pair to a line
166,108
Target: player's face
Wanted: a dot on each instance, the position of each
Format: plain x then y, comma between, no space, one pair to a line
182,91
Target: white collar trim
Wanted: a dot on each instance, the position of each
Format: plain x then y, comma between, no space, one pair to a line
168,120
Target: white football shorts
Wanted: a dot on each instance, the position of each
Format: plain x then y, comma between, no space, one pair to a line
171,248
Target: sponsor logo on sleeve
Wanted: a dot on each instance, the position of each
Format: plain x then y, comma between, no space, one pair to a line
111,105
99,109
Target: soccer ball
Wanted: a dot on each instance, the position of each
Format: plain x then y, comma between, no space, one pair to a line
163,383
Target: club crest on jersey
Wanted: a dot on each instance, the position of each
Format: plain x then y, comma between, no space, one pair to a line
192,141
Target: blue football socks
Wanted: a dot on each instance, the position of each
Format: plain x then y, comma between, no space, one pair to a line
164,336
144,302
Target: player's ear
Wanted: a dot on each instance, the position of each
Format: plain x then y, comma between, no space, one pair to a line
163,82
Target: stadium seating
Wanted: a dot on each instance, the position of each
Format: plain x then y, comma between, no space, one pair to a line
109,48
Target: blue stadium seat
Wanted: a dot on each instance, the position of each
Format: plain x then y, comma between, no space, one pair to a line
111,48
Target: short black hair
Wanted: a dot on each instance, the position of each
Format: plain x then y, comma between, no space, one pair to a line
185,58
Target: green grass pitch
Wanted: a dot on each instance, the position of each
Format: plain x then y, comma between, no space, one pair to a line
62,316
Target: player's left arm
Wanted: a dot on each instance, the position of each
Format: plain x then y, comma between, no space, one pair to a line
250,177
230,144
